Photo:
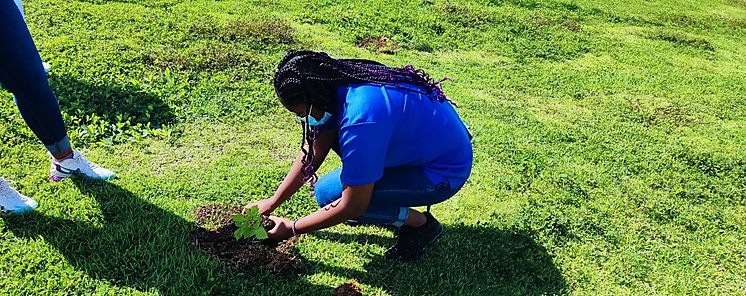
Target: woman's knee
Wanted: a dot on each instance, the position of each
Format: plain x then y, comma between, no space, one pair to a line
328,188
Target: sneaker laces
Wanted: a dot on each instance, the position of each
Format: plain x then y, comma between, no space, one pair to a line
82,158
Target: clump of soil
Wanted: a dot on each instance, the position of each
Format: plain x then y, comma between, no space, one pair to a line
378,44
241,254
350,288
222,215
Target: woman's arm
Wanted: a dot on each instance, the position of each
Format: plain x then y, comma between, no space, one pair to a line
353,203
294,179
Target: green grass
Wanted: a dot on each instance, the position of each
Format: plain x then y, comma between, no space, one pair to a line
609,149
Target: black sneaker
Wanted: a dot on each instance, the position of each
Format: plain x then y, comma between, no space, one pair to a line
412,241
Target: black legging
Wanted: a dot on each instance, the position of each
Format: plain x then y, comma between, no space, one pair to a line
21,72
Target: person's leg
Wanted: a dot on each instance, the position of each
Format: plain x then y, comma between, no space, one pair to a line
20,7
401,188
328,188
21,72
46,66
398,190
11,201
393,195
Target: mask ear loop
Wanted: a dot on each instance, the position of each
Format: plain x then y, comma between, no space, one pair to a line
312,134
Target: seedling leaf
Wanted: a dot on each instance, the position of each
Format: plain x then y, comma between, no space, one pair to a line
260,233
253,212
248,233
239,218
249,225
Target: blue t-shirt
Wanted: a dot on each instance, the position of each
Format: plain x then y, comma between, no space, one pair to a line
386,126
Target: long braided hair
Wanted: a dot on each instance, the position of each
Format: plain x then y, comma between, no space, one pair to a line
312,78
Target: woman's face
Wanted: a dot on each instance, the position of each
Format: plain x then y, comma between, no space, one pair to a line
292,98
300,111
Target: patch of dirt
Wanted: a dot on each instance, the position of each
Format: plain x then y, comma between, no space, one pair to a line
208,57
565,23
222,215
466,16
682,39
268,32
571,25
540,22
350,288
242,254
676,115
378,44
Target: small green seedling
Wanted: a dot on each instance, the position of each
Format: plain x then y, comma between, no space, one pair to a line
249,225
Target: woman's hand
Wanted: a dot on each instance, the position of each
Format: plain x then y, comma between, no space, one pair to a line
266,206
283,229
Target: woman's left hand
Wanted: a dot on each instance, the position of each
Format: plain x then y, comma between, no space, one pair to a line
283,229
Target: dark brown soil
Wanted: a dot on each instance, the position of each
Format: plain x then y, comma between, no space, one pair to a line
350,288
222,215
379,44
240,254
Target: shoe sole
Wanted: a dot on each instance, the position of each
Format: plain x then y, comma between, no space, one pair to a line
55,178
59,176
17,212
429,244
24,211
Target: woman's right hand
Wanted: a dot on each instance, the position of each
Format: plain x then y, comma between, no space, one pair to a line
266,206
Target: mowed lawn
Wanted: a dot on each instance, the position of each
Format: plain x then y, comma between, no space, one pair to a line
610,145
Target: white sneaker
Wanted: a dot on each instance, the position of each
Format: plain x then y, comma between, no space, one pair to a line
46,66
12,202
78,164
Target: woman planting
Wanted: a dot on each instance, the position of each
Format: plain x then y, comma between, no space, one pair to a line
401,142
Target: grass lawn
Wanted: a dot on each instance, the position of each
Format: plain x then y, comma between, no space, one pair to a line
610,149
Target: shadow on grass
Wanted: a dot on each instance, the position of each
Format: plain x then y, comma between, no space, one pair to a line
467,260
145,247
109,100
142,246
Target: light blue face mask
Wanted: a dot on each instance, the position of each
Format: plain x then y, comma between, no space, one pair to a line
312,121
